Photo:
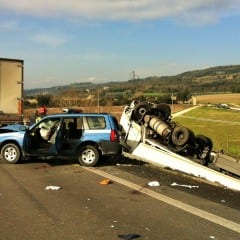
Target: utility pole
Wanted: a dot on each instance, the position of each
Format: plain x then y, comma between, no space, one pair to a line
98,100
133,75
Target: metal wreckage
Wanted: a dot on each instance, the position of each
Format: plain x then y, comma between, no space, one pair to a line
151,135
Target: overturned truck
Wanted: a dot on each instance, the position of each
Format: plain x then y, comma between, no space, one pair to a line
151,135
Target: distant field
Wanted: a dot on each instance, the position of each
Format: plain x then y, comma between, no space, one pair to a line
233,98
221,125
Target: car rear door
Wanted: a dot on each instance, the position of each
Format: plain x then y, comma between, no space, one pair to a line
69,135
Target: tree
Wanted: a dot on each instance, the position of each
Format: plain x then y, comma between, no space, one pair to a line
183,96
44,100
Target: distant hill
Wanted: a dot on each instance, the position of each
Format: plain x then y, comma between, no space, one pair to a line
214,79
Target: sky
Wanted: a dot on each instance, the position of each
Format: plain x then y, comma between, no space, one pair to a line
64,42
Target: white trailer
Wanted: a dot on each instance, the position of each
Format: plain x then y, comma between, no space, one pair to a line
11,90
142,124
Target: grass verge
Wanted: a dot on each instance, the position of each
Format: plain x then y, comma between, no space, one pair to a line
221,125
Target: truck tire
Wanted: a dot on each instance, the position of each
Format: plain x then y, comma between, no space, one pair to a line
11,153
181,136
88,156
140,111
204,147
162,110
204,141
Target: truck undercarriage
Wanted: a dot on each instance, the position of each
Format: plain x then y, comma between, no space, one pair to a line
151,135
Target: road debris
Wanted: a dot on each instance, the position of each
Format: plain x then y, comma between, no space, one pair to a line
129,236
153,184
105,182
52,188
125,165
212,237
113,224
42,166
183,185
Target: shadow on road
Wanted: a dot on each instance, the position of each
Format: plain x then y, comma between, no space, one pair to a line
105,161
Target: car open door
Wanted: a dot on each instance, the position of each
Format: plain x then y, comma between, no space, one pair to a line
60,139
40,139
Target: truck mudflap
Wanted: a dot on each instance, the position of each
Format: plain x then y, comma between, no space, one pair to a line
164,158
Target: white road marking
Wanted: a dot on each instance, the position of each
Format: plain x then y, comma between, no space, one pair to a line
178,204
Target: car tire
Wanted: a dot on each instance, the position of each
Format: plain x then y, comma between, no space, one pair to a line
88,156
11,153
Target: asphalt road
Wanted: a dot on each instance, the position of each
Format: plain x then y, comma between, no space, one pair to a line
181,208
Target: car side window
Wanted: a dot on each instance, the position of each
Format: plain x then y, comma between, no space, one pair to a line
46,128
73,127
79,123
96,122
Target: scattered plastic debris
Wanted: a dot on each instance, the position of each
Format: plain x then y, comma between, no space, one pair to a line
105,182
154,184
212,237
52,188
183,185
125,165
129,236
112,225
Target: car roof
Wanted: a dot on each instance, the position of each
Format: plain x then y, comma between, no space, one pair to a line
69,115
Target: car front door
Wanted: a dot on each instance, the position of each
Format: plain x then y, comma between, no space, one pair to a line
40,139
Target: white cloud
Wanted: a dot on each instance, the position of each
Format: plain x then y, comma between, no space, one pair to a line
8,25
127,10
92,79
50,40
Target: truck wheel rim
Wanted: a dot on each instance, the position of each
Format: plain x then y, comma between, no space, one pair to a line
10,154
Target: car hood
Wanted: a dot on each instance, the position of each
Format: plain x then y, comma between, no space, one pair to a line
13,128
11,135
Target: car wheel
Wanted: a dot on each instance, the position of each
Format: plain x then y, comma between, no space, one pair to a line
11,153
88,156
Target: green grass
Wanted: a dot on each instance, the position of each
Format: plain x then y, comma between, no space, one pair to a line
221,125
